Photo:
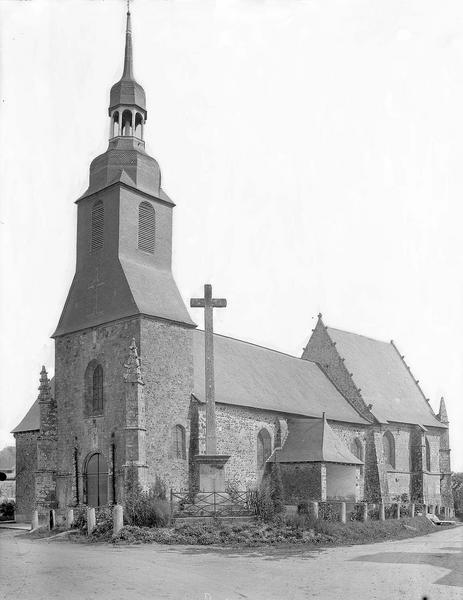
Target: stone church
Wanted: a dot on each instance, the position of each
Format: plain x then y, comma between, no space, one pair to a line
346,420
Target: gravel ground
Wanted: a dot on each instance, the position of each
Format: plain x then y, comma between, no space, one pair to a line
430,566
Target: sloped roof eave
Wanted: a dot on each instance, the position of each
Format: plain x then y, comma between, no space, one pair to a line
265,379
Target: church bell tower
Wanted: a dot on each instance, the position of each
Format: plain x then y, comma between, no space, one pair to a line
124,229
123,300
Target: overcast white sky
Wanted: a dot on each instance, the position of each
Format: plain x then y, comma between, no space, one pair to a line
314,150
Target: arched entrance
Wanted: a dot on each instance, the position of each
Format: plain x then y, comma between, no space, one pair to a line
96,480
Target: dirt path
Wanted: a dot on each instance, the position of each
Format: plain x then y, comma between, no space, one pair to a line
429,566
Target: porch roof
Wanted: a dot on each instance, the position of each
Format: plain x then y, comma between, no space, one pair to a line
313,440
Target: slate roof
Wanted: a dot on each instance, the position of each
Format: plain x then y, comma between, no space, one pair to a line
384,379
31,422
257,377
313,440
127,90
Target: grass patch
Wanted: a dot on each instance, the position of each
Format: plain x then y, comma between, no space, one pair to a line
296,530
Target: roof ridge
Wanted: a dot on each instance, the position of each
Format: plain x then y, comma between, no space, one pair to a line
357,334
229,337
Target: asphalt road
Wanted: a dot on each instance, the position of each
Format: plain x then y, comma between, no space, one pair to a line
429,566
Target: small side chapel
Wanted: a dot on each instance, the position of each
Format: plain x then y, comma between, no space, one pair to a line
346,420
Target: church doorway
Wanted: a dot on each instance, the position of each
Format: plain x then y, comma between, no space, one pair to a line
96,480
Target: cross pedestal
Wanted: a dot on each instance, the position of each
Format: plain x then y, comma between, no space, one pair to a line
211,464
211,472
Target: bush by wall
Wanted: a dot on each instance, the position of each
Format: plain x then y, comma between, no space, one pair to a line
7,508
145,508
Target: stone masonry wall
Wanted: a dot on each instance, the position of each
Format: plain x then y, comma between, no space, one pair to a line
406,476
109,346
348,433
167,367
237,431
301,482
26,466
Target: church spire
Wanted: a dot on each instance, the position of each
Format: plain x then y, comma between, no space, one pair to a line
128,57
127,103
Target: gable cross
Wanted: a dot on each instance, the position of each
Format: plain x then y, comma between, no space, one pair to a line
209,303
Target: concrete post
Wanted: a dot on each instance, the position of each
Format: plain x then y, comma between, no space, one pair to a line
342,515
382,515
35,520
365,512
412,510
118,518
314,509
52,519
91,520
397,514
70,518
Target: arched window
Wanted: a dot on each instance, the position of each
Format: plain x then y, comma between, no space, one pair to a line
264,448
97,390
139,126
357,448
389,449
126,122
115,124
96,480
179,442
97,226
428,456
146,227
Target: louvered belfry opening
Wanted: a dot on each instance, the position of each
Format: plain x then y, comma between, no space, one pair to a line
97,226
146,227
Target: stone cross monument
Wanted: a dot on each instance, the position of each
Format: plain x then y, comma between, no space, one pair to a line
211,472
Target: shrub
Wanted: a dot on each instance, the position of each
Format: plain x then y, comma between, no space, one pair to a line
457,491
80,517
328,511
261,503
103,519
356,513
276,488
232,488
159,489
7,507
145,508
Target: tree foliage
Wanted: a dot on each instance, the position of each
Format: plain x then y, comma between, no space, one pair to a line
457,489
